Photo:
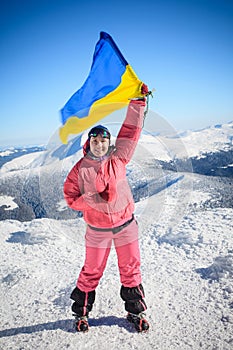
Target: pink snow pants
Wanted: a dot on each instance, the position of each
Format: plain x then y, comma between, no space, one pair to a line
98,246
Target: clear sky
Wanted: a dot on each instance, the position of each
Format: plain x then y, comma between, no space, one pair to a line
183,49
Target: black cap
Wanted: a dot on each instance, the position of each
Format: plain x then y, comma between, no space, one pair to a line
99,130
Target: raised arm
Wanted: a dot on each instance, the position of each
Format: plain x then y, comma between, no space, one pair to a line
130,131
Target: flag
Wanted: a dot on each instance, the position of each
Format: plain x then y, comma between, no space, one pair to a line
110,85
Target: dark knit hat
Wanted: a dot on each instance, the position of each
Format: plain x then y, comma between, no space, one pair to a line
99,130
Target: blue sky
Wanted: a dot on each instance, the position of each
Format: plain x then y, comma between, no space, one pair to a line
183,49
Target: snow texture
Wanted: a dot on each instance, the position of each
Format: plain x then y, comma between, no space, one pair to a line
186,241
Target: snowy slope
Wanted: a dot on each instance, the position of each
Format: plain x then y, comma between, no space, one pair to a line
186,241
163,147
156,164
26,161
196,143
187,273
7,154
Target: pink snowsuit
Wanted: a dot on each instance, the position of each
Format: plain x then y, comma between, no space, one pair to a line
99,188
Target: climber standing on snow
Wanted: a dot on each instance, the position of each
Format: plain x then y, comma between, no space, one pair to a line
97,186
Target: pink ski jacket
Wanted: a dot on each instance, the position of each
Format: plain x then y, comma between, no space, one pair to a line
98,186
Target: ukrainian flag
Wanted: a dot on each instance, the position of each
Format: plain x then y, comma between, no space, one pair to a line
109,86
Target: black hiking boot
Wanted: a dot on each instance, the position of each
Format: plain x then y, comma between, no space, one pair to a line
139,322
81,323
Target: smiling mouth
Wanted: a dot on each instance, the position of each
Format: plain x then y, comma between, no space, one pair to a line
98,152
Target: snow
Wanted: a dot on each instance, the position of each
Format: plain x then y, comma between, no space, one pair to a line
190,143
6,153
187,269
187,276
161,146
7,202
214,139
23,162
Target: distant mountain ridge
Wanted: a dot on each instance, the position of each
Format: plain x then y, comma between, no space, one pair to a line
32,178
12,153
196,144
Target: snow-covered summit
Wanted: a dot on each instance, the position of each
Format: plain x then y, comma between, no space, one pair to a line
189,144
185,223
211,139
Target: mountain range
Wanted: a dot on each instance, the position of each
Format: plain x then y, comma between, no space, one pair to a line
32,177
182,186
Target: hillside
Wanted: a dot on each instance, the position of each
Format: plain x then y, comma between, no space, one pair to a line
185,219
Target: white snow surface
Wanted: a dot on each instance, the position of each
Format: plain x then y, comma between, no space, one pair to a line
186,264
26,161
8,202
41,259
6,153
190,143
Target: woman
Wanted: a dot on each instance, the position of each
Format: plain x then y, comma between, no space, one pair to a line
97,186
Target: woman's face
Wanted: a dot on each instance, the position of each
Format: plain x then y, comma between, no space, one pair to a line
99,145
